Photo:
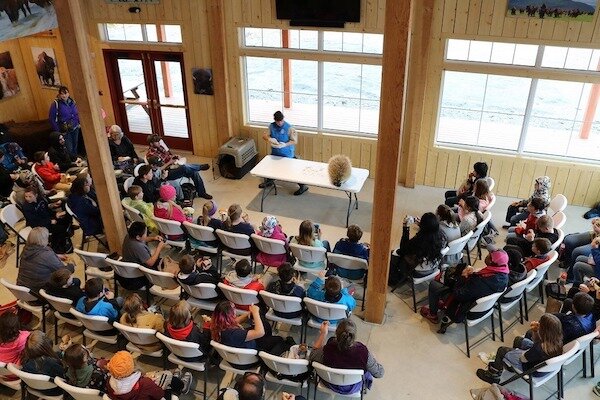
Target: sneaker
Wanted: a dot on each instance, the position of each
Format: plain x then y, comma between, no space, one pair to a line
427,314
204,167
446,322
302,189
505,226
186,378
487,376
205,196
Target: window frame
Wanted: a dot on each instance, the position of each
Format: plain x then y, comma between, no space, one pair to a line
104,35
535,73
320,56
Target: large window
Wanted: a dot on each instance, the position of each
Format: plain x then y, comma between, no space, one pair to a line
545,104
325,81
150,33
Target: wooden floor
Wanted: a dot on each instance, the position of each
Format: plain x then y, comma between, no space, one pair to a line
174,120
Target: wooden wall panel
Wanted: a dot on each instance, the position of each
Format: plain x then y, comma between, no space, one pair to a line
514,175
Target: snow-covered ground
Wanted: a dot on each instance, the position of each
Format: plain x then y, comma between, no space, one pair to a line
40,19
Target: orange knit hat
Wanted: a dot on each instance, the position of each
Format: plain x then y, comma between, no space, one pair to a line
121,365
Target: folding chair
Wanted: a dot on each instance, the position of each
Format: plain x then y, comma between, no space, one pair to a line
10,216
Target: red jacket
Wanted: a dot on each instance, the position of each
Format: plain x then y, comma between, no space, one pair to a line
533,262
254,285
529,224
49,175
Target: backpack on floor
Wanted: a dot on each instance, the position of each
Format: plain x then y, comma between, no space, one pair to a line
189,194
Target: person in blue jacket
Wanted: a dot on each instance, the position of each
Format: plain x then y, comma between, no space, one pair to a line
283,140
330,291
64,118
99,301
82,202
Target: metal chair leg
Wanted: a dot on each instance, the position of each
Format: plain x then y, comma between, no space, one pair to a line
414,295
500,322
592,366
525,305
493,328
584,360
467,339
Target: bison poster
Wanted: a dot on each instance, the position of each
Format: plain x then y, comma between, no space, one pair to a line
203,83
46,67
26,17
569,10
9,85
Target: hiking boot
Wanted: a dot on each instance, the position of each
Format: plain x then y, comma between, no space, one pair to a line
446,322
488,376
427,314
266,183
204,167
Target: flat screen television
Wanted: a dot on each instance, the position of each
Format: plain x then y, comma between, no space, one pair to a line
327,13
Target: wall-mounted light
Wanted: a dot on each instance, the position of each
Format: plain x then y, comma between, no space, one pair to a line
135,10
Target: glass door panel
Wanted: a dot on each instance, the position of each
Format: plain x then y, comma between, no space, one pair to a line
135,97
171,98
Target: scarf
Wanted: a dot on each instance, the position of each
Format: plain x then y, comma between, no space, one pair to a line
125,385
491,270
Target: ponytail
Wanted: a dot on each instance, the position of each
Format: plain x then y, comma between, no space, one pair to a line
345,334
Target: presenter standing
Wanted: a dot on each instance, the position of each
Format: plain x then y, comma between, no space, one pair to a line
283,139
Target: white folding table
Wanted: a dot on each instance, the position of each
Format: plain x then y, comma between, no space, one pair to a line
309,173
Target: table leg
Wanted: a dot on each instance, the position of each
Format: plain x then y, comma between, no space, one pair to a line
266,192
349,208
356,200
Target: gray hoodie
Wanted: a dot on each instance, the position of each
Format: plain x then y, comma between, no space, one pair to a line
37,264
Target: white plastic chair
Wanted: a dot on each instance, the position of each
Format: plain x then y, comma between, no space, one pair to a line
95,264
163,284
239,296
131,213
545,370
125,270
128,183
560,219
24,298
584,341
237,360
269,246
337,376
10,216
35,383
203,234
85,238
4,373
233,245
284,366
483,305
181,349
203,295
61,307
78,393
475,239
561,237
324,311
539,281
308,254
170,228
557,204
457,246
13,198
136,169
96,327
511,297
138,338
414,280
283,304
352,264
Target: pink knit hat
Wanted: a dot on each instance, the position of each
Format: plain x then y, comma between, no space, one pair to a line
167,192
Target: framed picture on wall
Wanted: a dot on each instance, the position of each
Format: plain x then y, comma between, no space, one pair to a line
46,67
8,77
565,10
203,83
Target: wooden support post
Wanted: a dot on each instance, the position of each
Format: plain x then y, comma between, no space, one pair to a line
73,33
164,65
415,97
391,117
590,110
287,71
218,56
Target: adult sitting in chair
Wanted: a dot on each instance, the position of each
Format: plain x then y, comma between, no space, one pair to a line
38,261
122,151
60,156
343,351
480,170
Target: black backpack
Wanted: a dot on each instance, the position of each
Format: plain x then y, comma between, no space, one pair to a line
189,194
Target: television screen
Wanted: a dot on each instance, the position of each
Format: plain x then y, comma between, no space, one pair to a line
319,10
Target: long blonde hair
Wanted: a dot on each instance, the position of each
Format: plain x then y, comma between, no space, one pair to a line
133,307
306,233
205,213
234,212
551,335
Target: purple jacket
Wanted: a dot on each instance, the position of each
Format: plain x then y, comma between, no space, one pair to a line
66,118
